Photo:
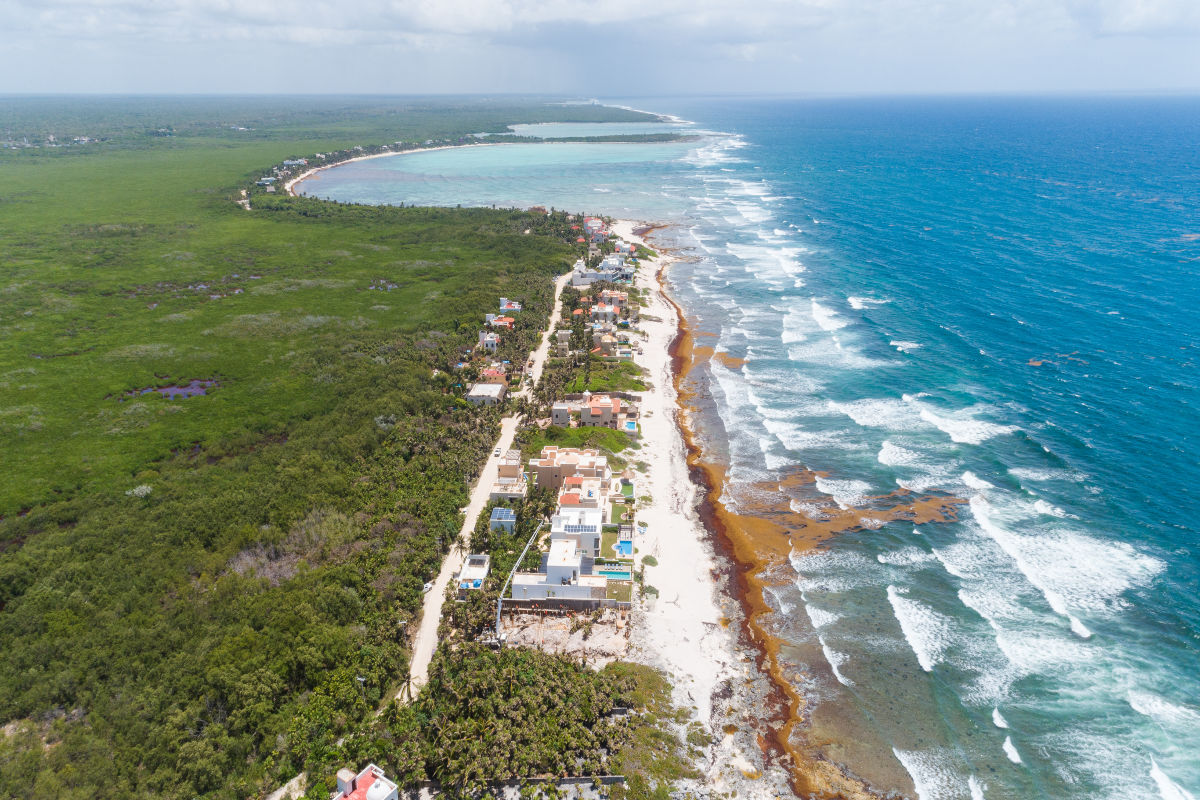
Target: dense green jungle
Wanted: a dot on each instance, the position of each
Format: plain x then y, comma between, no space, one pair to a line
234,447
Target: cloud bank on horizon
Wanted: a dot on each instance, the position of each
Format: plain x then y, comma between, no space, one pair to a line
598,46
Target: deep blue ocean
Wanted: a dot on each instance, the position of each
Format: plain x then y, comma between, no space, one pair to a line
995,298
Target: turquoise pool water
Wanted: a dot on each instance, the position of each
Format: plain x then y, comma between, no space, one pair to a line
625,548
616,574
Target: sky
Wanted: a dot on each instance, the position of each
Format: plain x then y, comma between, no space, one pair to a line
598,47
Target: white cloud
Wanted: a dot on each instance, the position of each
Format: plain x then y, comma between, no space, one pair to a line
1139,17
669,45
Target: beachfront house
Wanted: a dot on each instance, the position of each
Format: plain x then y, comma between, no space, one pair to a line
473,574
556,464
511,482
507,305
562,577
370,784
580,526
602,312
600,411
606,411
498,321
614,298
487,394
579,494
504,519
612,268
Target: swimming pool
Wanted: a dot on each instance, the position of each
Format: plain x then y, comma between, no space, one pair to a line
625,548
616,574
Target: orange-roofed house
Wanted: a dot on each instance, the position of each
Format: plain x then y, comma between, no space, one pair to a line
602,312
591,493
614,298
370,784
556,464
493,375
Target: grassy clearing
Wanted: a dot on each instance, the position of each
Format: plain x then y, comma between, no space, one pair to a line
621,514
607,376
621,592
609,441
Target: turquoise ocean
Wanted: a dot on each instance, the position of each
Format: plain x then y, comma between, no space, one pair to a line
994,298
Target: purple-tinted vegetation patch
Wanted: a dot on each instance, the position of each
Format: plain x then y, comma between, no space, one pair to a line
174,390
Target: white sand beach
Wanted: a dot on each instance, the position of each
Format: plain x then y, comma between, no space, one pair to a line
690,629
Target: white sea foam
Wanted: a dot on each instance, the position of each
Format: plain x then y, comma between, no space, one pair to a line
960,426
976,788
794,436
795,328
905,347
819,617
826,317
892,415
1169,789
1011,544
941,478
752,213
1042,507
1162,711
932,777
833,570
908,557
821,353
860,303
926,631
893,455
836,660
846,493
998,719
1035,653
1023,474
716,151
1011,751
1072,570
975,482
777,260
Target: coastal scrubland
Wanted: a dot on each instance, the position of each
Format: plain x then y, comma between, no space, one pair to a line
235,445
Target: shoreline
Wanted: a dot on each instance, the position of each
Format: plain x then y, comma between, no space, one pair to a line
289,187
690,630
744,548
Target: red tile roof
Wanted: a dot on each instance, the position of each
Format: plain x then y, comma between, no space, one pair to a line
362,786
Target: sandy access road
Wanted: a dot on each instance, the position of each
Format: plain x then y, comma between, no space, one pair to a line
425,639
